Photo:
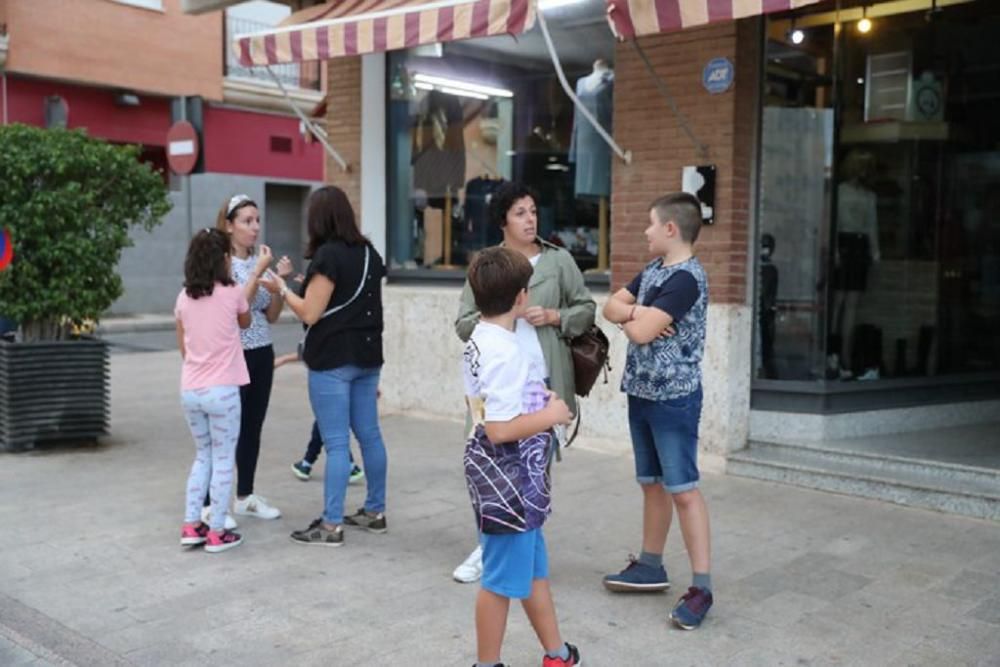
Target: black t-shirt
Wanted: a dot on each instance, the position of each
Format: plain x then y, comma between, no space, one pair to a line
351,336
676,296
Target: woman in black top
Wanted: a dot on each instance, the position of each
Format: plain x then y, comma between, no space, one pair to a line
341,304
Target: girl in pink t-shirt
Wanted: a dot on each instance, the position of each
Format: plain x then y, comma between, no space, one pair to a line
210,311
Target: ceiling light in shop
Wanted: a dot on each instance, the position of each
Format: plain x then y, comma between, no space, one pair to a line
455,84
553,4
464,93
423,86
798,36
865,24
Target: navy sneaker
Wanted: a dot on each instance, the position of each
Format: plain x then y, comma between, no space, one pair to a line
691,608
302,470
638,578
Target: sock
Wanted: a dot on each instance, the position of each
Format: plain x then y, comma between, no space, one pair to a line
702,580
562,653
651,559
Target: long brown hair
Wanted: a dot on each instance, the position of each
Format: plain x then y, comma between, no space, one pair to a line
331,218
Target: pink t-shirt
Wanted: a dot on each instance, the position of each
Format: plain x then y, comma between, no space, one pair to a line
214,355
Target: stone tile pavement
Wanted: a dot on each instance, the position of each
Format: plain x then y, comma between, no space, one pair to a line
91,574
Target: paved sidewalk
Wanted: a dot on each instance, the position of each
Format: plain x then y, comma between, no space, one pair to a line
91,573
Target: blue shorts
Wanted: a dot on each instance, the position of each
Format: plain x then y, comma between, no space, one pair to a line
512,562
665,440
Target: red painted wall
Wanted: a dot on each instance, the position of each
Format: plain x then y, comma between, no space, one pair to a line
235,141
91,108
239,142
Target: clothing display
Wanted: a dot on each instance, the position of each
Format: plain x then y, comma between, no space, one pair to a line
438,155
855,259
477,232
857,213
587,148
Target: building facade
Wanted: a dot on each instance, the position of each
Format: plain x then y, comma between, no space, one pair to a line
140,66
793,354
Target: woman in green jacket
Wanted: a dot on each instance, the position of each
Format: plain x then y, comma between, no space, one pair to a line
561,307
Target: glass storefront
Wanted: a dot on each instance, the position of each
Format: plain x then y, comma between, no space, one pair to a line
464,117
879,195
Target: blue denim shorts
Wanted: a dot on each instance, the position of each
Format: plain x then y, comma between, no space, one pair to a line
665,440
512,562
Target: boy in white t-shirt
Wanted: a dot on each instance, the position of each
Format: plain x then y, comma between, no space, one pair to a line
505,460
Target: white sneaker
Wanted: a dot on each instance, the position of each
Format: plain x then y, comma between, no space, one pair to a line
206,516
471,568
254,505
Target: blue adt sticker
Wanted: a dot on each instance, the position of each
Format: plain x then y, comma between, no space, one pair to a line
718,75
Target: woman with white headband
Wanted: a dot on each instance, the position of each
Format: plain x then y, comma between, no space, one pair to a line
240,218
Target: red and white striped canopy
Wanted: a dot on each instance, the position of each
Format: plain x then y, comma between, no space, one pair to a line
353,27
635,18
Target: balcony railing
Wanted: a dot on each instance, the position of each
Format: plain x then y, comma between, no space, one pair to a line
296,75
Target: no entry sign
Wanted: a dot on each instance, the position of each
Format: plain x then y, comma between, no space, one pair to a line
182,147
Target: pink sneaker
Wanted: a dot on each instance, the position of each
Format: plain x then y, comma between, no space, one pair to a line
216,542
192,536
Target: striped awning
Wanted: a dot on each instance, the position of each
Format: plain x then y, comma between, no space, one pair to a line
635,18
354,27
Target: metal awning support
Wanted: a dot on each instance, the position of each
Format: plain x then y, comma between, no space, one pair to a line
661,85
625,155
316,131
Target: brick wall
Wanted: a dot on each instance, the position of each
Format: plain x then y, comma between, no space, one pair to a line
644,124
118,45
343,124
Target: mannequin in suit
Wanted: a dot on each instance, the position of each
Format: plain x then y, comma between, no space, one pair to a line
587,148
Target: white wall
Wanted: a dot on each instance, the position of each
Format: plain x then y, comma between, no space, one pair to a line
422,373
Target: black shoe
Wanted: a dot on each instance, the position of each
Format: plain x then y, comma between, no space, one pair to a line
373,522
317,535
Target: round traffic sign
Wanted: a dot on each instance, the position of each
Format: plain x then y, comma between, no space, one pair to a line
182,147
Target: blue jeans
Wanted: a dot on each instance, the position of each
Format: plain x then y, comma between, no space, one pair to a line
665,440
344,399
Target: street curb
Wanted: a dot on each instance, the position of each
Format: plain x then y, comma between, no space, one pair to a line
156,322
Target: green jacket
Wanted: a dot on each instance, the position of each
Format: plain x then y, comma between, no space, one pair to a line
556,283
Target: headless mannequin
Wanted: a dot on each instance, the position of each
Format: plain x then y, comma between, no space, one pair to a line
856,248
596,77
588,150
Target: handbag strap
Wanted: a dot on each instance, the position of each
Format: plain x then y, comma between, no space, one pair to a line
335,309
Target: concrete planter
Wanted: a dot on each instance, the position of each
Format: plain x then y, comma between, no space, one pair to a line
51,391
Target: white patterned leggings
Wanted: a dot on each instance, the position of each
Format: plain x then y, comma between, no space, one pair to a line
213,415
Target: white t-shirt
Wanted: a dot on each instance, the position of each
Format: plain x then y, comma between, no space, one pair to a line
527,336
497,370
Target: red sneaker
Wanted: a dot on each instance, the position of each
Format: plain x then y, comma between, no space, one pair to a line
192,536
573,661
216,542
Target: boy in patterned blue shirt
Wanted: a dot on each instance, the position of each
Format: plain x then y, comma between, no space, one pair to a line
662,312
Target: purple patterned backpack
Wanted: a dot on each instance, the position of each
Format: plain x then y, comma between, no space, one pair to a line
508,482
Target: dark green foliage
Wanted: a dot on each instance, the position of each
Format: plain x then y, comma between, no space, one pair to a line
69,201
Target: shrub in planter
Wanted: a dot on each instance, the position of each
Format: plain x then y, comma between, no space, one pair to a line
68,201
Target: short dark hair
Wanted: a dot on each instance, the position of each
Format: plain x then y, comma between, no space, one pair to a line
206,263
331,218
496,277
682,209
504,198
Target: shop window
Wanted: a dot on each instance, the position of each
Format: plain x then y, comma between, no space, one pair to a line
879,219
465,117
